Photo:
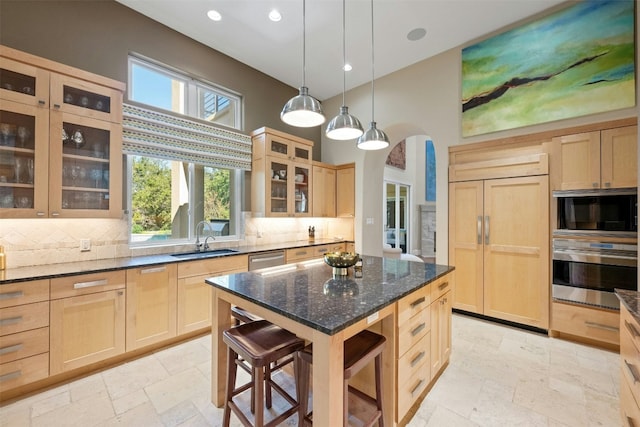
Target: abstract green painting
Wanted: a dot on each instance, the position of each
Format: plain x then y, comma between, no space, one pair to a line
578,61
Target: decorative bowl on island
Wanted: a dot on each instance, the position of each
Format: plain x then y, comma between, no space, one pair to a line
341,261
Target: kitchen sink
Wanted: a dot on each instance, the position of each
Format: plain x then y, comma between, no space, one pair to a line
205,254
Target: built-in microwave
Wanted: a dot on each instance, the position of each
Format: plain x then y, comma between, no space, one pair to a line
611,211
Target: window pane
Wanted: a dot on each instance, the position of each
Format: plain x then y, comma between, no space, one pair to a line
215,107
152,87
216,200
159,200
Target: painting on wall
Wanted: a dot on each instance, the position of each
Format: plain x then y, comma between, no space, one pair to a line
398,156
575,62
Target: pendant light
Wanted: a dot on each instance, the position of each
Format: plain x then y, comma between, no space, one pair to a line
303,110
372,138
344,126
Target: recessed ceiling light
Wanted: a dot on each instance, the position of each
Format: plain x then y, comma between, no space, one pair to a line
347,67
214,15
274,15
416,34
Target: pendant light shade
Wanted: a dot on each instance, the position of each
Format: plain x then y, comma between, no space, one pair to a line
303,110
373,138
344,126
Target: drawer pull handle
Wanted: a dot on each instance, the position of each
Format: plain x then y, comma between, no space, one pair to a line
153,270
41,102
56,105
630,422
10,321
301,253
443,285
632,329
418,358
632,371
10,376
9,295
322,250
417,387
417,329
11,349
418,302
82,285
601,326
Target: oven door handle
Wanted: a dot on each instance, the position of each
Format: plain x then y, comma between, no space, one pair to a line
594,258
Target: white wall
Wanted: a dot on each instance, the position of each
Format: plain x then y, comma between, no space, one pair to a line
423,99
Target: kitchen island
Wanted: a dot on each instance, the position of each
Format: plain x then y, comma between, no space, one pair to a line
309,301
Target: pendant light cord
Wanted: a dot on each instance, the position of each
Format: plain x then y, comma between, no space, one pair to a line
304,32
344,52
372,65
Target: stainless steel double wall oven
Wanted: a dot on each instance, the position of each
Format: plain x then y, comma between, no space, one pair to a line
595,245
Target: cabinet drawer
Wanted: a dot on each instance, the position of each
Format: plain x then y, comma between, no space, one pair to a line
24,344
629,328
412,304
441,286
299,254
214,266
411,390
415,360
24,317
24,371
629,409
65,287
592,323
413,330
24,293
335,247
629,353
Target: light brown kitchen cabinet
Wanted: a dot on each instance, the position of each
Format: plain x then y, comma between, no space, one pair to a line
499,243
45,172
598,159
281,174
151,305
324,190
592,324
87,319
24,333
629,368
194,295
312,252
346,190
440,327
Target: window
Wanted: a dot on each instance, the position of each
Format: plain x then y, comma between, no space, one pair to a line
182,171
169,90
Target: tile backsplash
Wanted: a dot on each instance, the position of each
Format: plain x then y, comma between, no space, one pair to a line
29,242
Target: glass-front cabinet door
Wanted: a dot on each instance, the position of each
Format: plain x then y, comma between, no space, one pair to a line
302,189
288,189
85,160
24,83
23,160
278,193
85,99
288,149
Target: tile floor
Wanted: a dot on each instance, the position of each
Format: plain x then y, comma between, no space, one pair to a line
498,376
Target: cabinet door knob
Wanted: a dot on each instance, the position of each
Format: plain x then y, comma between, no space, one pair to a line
56,105
41,102
39,213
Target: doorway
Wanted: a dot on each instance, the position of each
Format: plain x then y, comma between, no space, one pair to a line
396,215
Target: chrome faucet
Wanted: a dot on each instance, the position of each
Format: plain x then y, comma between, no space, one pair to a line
198,244
205,247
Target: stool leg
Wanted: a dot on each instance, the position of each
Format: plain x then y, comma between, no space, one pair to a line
267,381
378,368
231,383
258,386
302,390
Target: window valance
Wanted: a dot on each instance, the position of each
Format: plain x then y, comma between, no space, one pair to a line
150,133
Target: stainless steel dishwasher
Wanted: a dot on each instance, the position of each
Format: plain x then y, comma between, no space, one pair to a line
266,259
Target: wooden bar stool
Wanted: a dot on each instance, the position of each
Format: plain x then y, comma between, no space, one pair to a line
259,344
358,352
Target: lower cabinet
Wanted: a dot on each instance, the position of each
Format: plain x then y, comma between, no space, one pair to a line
151,305
194,295
441,301
312,252
87,319
24,333
629,368
586,323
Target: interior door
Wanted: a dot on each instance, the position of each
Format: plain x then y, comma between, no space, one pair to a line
516,250
397,202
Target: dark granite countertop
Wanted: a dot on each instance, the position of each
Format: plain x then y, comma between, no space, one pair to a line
49,271
631,300
310,295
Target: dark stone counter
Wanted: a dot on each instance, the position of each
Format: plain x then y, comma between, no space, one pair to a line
309,294
49,271
631,300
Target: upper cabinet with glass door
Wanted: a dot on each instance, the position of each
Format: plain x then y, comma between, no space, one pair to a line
60,140
281,174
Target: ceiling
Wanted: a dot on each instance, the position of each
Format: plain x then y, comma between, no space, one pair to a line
275,48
